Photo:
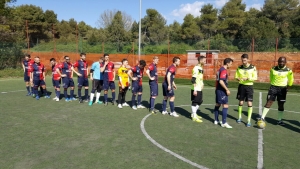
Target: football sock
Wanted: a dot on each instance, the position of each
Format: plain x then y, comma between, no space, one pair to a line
216,111
72,93
92,97
133,100
249,113
119,98
42,90
123,96
265,111
164,105
171,103
36,91
27,87
32,90
194,110
152,103
240,108
280,113
98,96
86,93
224,115
79,93
139,99
66,93
57,93
113,94
45,91
105,98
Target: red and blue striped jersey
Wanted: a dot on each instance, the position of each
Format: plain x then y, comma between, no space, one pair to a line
138,72
38,69
108,71
66,69
172,70
221,75
82,67
27,64
153,72
55,75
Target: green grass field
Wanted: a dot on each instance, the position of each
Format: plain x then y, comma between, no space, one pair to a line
48,134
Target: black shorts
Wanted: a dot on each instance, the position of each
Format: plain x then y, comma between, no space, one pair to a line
196,99
97,85
245,93
277,91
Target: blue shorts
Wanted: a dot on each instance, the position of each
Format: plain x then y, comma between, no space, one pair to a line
166,92
221,97
56,83
153,88
136,88
38,83
67,82
83,82
109,85
26,77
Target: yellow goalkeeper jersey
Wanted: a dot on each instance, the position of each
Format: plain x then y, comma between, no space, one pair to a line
281,77
198,75
123,76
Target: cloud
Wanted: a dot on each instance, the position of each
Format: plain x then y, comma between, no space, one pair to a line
188,8
256,6
220,3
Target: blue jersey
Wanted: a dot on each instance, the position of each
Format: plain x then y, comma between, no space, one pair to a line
96,66
221,75
172,70
153,72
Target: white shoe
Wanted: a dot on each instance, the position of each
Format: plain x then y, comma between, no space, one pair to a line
120,106
134,108
55,98
226,125
141,106
174,114
125,104
217,122
164,112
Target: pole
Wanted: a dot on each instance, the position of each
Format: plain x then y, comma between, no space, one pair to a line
103,47
54,45
252,49
28,46
140,29
76,38
168,50
276,51
133,58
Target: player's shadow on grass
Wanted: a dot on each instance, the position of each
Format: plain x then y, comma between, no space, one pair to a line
254,116
287,125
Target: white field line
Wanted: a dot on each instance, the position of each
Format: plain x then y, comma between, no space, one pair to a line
260,154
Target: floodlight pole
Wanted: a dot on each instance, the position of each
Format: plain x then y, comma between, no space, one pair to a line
140,29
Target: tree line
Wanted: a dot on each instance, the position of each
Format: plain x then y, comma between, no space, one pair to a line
230,28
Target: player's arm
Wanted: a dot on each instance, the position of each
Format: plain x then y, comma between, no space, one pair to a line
44,73
73,70
130,74
103,67
169,79
23,66
222,83
253,76
31,75
114,73
87,71
148,73
290,77
237,75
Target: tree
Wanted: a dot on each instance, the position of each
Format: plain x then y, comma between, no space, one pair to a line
208,20
190,30
231,18
107,16
175,32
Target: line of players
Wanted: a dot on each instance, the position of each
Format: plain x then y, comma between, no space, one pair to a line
102,75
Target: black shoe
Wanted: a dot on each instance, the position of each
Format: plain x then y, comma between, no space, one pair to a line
280,122
105,104
80,101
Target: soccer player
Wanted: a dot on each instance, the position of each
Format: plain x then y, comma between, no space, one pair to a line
153,83
136,75
83,81
56,79
67,70
97,81
26,64
245,74
281,78
37,76
109,74
197,86
168,87
123,83
222,93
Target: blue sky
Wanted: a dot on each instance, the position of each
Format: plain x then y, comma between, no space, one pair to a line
90,10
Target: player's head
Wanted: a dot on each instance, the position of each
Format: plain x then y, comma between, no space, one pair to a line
82,56
227,62
67,59
142,63
245,58
52,61
201,60
106,57
27,56
176,60
37,59
101,59
155,59
124,62
281,62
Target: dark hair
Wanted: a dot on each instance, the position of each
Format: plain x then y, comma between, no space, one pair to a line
66,57
281,57
101,57
82,54
52,59
105,54
175,59
123,60
27,55
142,63
244,56
201,57
227,60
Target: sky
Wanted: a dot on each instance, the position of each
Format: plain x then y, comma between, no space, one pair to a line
89,11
